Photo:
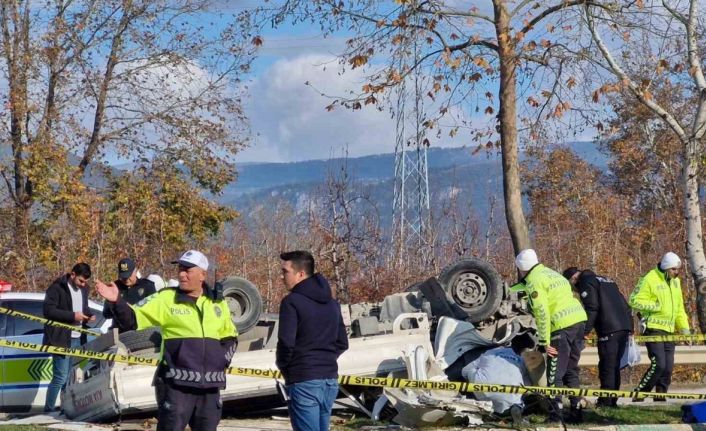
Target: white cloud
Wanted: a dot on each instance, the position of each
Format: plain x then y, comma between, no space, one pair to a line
291,123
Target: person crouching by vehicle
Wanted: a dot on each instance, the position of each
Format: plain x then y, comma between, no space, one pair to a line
66,301
658,299
311,337
560,322
609,314
198,343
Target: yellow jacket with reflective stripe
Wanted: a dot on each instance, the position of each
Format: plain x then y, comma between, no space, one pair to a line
660,302
198,335
552,300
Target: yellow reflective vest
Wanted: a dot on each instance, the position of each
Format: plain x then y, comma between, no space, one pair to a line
660,302
198,335
552,300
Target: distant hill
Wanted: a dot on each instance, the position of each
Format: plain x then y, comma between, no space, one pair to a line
473,178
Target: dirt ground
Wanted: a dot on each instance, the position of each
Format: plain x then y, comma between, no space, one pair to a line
272,420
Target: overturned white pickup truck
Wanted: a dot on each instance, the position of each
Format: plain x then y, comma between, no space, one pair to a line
379,333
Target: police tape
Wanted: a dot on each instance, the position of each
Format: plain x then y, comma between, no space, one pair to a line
672,338
34,318
669,338
380,382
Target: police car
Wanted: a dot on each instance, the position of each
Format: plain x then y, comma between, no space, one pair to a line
25,375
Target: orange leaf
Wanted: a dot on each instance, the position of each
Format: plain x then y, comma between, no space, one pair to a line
596,96
358,60
480,62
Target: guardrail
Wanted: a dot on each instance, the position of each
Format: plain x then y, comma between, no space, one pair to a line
683,355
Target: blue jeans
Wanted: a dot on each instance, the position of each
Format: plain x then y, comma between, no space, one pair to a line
60,372
310,404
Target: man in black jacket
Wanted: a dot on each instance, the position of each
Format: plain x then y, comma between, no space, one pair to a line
132,288
609,314
66,301
311,337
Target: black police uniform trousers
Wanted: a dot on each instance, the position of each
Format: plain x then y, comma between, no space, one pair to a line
659,375
611,348
180,406
563,369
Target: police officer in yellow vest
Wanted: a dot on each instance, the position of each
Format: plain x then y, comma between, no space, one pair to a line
658,299
560,321
198,343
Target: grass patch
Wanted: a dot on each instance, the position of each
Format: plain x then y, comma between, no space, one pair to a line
356,423
624,415
22,428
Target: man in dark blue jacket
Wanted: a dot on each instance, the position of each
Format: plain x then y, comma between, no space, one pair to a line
311,337
609,314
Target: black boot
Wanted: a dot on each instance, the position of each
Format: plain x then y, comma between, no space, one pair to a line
604,402
659,399
574,416
556,412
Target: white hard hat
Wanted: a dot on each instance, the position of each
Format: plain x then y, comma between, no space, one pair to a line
526,259
670,260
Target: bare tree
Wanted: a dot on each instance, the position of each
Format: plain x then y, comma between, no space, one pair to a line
347,222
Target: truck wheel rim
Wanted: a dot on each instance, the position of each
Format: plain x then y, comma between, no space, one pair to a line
470,290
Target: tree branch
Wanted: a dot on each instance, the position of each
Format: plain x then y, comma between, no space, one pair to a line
634,88
563,5
452,12
10,189
674,12
698,128
694,60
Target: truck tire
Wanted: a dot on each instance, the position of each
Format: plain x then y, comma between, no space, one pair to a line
244,301
474,285
145,343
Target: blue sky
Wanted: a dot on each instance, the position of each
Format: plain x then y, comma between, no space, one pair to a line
288,119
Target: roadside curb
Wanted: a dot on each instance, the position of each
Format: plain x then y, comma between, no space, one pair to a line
646,427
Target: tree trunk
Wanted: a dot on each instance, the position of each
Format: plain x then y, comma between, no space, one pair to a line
507,117
694,232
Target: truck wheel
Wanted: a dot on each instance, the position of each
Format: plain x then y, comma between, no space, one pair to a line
474,285
144,343
244,301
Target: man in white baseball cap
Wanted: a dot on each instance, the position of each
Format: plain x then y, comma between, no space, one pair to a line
191,259
198,343
658,299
